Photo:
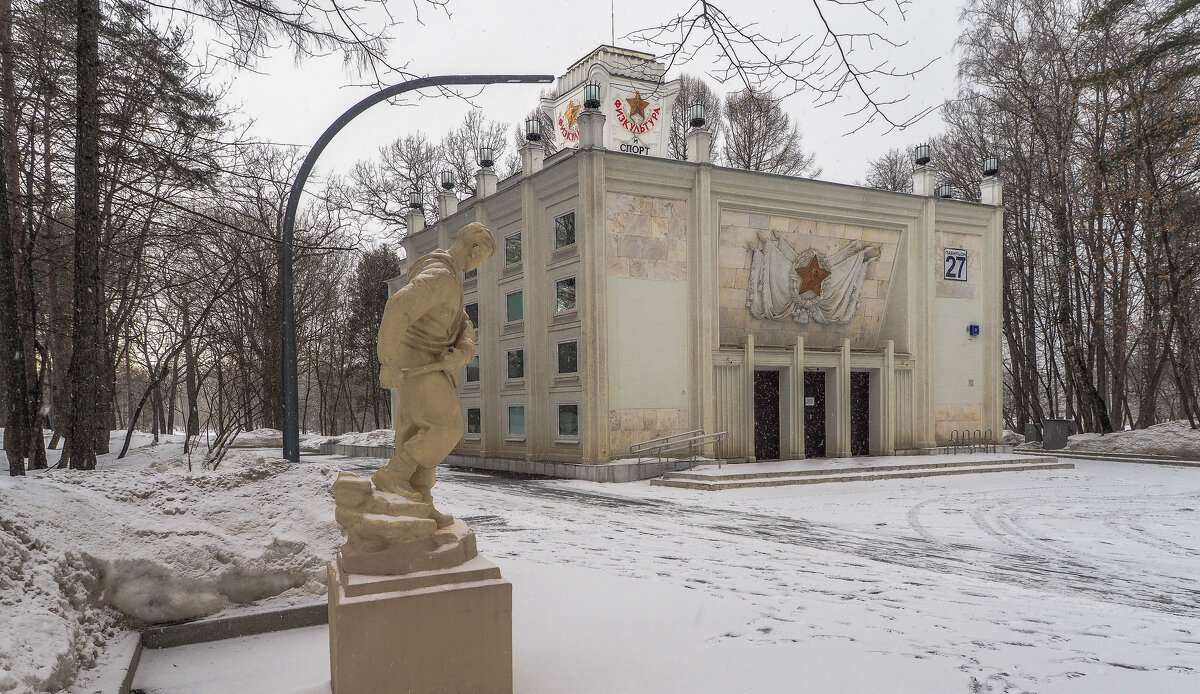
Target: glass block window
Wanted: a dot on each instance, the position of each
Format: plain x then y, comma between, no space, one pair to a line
516,363
474,421
473,313
516,306
512,249
564,295
564,230
568,420
473,370
470,274
568,357
516,420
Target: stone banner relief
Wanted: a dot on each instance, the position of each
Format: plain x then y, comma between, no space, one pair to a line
807,285
783,276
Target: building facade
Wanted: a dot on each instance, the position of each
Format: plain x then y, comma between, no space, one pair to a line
635,296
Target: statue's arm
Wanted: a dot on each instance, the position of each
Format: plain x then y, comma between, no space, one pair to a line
403,309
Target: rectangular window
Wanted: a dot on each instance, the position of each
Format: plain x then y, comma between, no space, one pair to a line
516,363
473,370
564,230
473,313
568,420
516,420
564,295
474,421
516,306
470,274
568,357
512,249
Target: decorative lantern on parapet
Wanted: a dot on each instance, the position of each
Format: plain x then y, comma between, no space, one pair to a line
533,130
921,155
591,95
414,200
487,156
448,180
696,116
991,166
945,191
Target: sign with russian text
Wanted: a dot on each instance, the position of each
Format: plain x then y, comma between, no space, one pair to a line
954,267
634,116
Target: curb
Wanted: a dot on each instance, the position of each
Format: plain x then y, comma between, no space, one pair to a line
220,628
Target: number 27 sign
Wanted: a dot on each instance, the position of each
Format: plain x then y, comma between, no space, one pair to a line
955,266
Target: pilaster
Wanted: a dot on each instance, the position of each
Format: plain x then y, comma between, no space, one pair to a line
796,397
887,390
748,404
841,447
591,231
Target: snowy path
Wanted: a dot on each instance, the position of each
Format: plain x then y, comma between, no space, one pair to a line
1025,582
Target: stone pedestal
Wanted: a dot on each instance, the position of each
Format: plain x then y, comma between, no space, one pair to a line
427,632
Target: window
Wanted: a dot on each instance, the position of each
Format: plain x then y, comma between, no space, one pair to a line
516,306
568,420
470,274
564,230
473,313
473,370
474,421
512,249
568,357
516,363
564,295
516,420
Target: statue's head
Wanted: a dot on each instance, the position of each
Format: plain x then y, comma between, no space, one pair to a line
475,244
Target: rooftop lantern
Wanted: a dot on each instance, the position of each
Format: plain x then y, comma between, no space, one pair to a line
945,191
487,156
447,180
991,166
696,115
921,155
414,200
533,129
591,95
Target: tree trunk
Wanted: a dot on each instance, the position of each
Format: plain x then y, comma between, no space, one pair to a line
85,360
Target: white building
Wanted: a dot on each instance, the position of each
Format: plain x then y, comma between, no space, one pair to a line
635,296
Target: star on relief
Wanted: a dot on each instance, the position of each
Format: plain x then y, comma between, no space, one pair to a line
572,113
811,276
637,105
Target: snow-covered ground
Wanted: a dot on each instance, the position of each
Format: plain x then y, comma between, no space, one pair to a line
1084,580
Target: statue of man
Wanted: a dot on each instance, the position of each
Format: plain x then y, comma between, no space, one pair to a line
425,337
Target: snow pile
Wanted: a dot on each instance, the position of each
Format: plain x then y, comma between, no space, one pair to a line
259,438
83,552
379,437
1173,439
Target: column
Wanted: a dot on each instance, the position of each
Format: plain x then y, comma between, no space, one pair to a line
841,447
887,409
748,401
796,416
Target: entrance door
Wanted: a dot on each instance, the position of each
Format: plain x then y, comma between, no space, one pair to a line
766,415
860,413
814,414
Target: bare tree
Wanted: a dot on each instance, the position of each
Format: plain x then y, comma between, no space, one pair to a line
692,91
759,136
891,171
833,63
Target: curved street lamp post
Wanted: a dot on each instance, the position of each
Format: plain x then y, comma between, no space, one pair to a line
291,396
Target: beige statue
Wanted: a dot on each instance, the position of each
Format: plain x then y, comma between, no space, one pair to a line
425,337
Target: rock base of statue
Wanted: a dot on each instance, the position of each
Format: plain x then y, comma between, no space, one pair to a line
427,632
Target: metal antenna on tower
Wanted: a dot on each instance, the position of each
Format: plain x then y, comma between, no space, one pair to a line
612,6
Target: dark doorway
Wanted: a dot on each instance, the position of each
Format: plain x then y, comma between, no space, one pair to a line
766,415
860,413
814,414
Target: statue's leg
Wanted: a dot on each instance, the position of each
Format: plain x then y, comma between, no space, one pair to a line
394,477
439,426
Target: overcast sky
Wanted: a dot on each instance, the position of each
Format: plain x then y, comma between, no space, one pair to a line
294,103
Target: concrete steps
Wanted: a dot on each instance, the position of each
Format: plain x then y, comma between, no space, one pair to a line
715,480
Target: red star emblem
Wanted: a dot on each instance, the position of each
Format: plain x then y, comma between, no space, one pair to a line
811,276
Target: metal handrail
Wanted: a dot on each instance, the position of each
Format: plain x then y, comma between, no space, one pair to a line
647,445
691,444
